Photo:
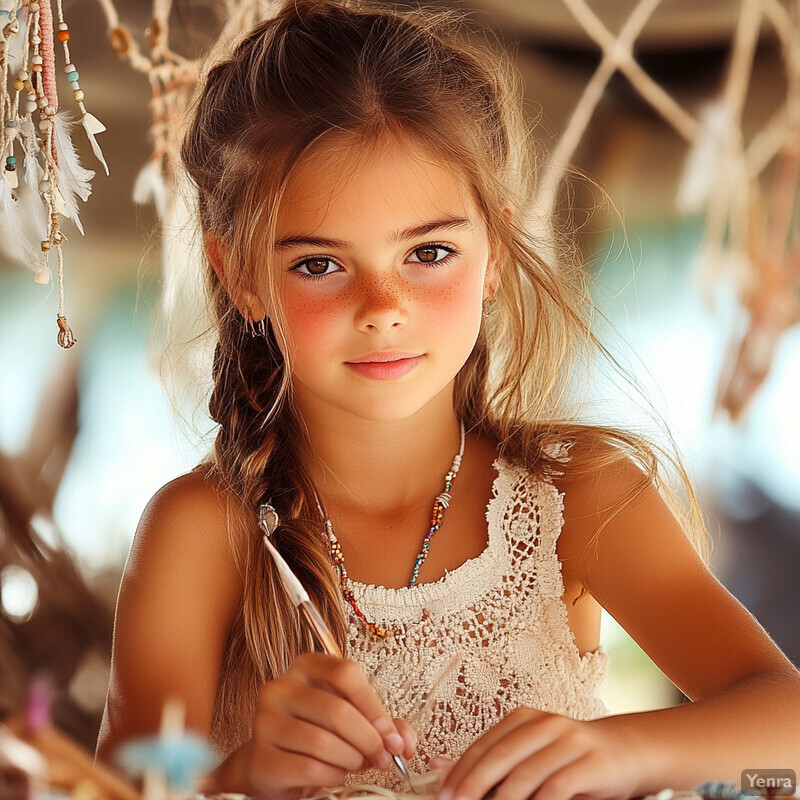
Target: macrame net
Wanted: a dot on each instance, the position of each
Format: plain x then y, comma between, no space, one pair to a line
750,238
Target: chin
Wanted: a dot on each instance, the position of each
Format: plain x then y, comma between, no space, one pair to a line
386,410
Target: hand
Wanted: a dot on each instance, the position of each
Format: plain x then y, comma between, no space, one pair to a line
320,720
535,754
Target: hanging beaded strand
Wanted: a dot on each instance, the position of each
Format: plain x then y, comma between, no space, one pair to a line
439,505
52,170
44,83
90,123
9,107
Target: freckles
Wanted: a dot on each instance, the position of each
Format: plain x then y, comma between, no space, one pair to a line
452,301
307,318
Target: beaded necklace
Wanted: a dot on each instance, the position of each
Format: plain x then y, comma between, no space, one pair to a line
439,505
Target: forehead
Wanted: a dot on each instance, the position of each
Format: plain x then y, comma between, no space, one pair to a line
347,184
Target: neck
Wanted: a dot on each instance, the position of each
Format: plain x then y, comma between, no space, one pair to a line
381,466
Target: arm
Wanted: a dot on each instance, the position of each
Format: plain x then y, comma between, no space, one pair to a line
745,692
178,597
746,695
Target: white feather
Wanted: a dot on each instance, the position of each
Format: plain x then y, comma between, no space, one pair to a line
73,179
35,206
150,188
12,231
704,161
92,125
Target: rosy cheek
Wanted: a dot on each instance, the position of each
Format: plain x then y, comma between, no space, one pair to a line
453,301
308,319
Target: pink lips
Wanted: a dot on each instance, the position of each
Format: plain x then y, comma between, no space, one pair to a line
385,366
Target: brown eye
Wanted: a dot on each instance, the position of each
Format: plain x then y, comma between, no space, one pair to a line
317,266
427,254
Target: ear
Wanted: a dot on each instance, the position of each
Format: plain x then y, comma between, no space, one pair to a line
245,299
493,268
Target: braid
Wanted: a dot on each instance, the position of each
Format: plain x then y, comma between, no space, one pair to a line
254,458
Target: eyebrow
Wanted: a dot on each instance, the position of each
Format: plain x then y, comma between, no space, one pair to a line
448,223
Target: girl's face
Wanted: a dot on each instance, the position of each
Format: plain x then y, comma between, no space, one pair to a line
383,264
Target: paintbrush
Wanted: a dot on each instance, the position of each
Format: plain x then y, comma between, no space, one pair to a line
321,634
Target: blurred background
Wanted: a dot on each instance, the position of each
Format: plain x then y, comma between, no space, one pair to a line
700,280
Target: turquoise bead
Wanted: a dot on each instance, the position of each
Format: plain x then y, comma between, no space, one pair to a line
73,76
11,160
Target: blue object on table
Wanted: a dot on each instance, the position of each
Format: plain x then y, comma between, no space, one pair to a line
179,758
720,790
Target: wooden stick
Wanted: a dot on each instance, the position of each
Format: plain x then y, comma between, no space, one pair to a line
69,764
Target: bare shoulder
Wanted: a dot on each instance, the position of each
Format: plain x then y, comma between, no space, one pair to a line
178,598
592,497
643,569
186,511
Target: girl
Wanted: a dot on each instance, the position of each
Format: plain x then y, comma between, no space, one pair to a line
392,373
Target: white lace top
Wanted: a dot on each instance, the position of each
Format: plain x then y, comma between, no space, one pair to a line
488,637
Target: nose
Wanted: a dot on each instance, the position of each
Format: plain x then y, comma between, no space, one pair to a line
381,307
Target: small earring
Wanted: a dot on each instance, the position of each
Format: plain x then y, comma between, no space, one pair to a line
489,306
268,517
257,328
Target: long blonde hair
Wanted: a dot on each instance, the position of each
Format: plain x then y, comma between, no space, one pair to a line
320,69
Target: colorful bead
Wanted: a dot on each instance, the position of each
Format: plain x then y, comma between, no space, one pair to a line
78,95
11,160
72,75
19,85
337,559
62,36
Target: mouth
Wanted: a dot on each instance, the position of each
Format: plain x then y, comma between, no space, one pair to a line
386,366
384,357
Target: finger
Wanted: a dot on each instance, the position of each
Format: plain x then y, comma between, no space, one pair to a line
529,775
520,720
323,710
280,770
441,768
346,679
575,778
409,736
305,739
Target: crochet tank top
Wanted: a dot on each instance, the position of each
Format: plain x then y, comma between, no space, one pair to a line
488,637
